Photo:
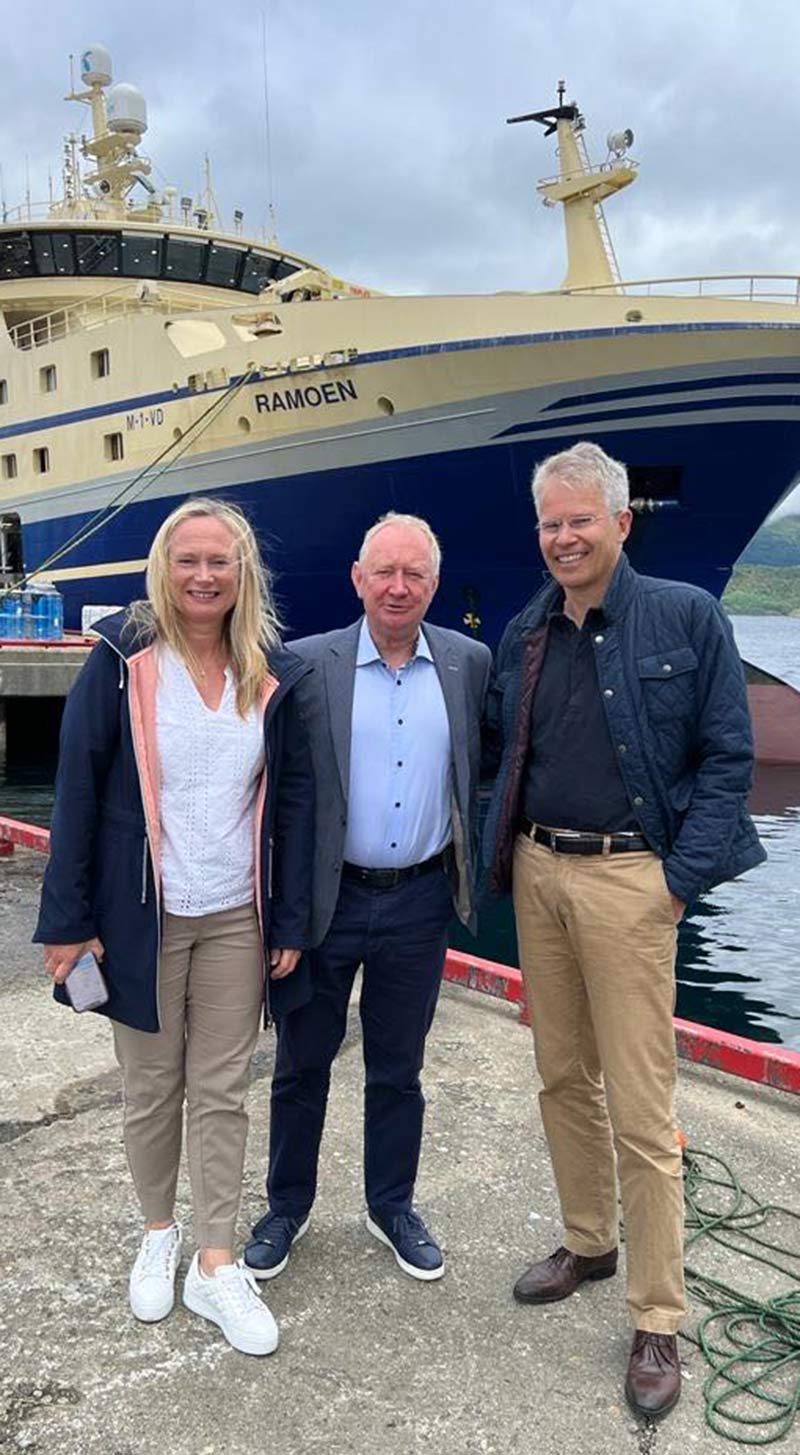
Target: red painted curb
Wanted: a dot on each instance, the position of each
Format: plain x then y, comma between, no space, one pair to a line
753,1060
25,834
759,1061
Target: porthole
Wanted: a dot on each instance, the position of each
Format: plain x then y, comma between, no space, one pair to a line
385,404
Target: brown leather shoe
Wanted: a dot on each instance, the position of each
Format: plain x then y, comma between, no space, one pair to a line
653,1385
559,1275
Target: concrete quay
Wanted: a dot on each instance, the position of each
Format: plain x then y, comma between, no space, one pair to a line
35,678
369,1360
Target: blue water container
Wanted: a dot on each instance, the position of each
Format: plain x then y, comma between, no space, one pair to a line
47,612
11,616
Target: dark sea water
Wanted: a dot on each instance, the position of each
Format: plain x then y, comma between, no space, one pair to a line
739,949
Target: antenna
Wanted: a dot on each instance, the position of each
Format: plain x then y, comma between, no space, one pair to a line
3,195
273,230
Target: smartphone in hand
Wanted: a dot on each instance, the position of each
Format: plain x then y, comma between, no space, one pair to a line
85,985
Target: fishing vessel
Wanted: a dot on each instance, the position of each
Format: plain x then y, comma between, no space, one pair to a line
147,353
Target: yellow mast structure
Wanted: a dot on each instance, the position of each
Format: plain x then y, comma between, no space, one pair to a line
582,189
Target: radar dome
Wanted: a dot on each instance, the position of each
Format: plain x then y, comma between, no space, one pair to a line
126,109
96,66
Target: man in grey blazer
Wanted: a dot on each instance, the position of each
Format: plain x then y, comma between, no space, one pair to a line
393,711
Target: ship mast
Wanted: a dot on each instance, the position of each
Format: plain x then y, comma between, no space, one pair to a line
582,189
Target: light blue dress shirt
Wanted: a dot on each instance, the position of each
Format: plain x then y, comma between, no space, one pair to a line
399,800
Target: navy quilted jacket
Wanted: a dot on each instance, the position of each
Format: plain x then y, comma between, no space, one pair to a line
676,704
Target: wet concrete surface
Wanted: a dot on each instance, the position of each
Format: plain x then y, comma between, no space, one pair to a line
369,1360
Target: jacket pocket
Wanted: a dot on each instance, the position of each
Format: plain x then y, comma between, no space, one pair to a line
667,665
668,689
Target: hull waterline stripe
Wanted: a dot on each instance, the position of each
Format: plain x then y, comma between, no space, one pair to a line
679,386
785,402
505,341
105,568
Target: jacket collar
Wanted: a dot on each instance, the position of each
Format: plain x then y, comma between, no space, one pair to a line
128,640
621,589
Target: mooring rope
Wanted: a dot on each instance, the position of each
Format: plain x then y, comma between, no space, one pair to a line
752,1394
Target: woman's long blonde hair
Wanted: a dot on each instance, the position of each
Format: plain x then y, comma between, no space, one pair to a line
250,630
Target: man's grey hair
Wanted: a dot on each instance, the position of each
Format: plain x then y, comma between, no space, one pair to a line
584,466
393,517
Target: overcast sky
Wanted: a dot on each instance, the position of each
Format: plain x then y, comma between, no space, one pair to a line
392,162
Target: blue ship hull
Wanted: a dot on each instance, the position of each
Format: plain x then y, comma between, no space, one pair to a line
719,480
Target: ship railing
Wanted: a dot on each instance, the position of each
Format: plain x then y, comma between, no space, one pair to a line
742,287
27,212
598,169
47,328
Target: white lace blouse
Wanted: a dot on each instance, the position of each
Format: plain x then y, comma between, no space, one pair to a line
211,765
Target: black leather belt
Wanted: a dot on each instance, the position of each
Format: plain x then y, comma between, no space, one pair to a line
388,878
571,841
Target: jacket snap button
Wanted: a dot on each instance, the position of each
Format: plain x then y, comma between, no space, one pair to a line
638,801
609,692
623,747
667,667
599,638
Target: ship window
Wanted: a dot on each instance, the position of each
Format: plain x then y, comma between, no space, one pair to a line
259,270
141,255
16,256
284,269
48,379
3,391
112,446
97,253
43,251
41,460
223,266
63,254
101,363
185,260
9,467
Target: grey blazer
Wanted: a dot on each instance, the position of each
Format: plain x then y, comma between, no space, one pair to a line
325,701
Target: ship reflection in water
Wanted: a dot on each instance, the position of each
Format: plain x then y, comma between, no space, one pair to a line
737,951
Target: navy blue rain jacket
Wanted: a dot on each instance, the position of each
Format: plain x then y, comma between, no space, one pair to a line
99,878
676,705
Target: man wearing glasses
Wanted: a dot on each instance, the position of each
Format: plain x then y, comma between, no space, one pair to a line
618,721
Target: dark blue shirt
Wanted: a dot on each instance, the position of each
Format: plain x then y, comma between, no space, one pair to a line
571,778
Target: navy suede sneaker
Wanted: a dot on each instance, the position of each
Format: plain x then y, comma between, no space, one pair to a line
267,1253
414,1249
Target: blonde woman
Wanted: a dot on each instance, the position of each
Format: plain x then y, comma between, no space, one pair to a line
181,856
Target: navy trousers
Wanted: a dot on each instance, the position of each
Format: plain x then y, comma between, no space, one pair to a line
399,935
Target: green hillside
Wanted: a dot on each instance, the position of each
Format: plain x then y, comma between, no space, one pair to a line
776,544
763,591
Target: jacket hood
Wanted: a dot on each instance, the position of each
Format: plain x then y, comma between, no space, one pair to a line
127,638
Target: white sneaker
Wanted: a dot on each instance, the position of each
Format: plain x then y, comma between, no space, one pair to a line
151,1286
230,1299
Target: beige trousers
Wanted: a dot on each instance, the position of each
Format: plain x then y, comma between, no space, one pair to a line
597,942
211,979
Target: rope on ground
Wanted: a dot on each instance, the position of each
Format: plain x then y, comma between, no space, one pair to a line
752,1394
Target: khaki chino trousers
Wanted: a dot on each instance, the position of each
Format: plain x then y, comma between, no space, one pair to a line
597,941
211,990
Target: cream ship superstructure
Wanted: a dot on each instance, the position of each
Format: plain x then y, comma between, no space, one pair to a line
147,354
